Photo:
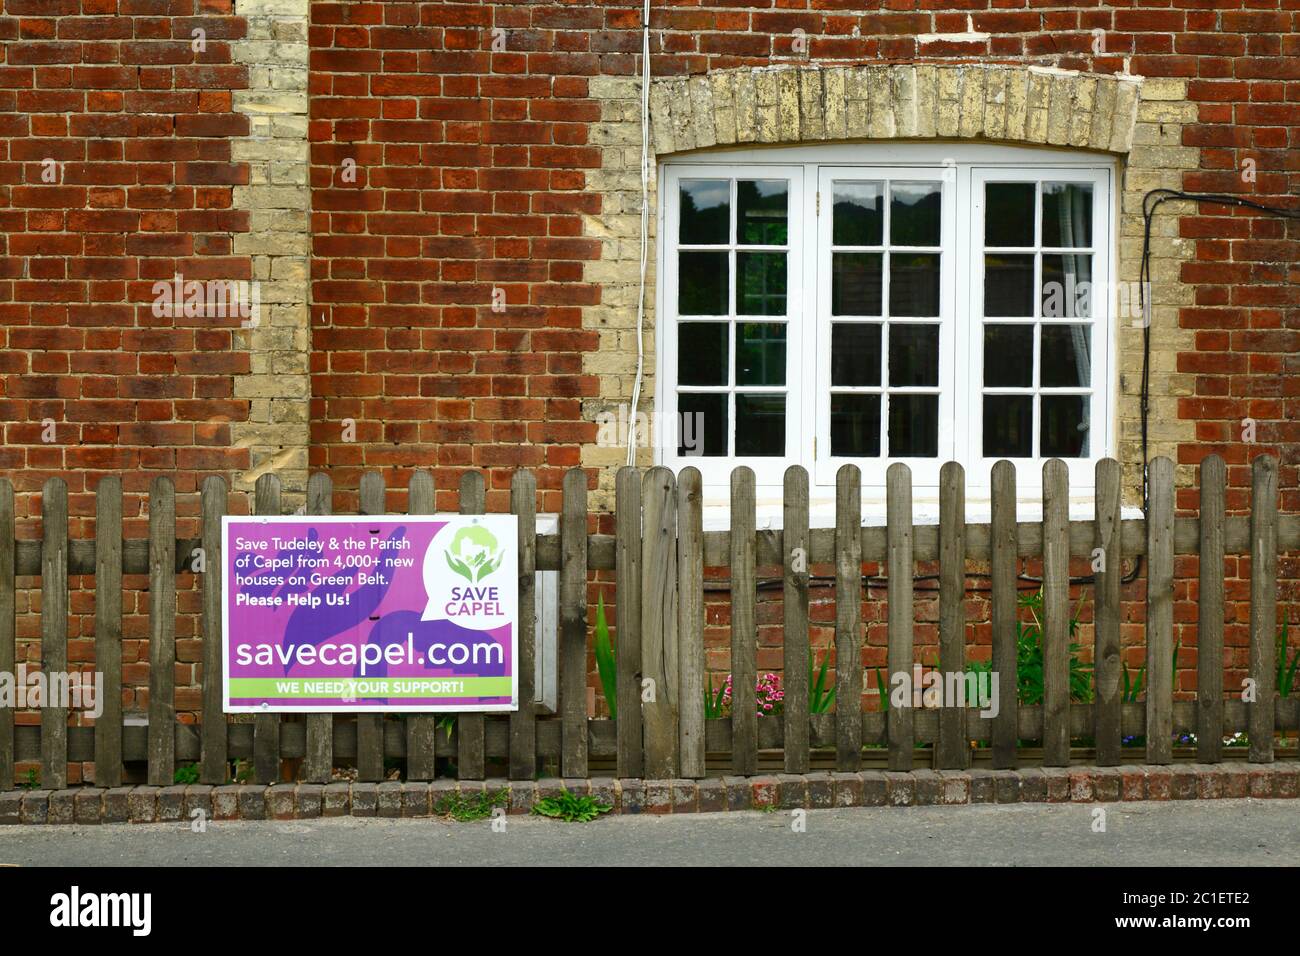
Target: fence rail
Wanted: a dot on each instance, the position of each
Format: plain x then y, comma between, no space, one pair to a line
658,553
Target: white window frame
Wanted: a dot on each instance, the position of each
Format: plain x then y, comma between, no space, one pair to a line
964,167
717,470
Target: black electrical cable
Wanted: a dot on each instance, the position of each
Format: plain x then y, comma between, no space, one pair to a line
1144,280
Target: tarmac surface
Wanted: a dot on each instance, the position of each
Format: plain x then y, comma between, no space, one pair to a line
1177,833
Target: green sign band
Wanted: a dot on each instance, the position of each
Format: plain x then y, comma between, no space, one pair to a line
272,688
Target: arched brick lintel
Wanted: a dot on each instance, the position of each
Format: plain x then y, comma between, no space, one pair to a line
798,104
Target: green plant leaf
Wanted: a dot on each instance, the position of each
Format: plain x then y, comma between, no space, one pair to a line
605,664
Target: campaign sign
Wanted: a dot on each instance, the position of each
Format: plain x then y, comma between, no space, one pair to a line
370,614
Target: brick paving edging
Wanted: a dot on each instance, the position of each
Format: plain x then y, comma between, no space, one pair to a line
870,788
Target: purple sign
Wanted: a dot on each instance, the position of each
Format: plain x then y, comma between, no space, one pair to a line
384,613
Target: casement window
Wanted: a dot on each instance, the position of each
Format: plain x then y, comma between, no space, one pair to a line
871,304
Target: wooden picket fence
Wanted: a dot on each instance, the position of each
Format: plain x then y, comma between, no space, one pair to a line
658,553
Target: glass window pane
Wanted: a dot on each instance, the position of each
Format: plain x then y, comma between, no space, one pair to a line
856,282
702,353
1067,215
702,423
760,354
855,353
702,283
1066,356
1008,355
1009,214
855,426
1067,287
705,212
914,355
858,214
761,212
1064,428
760,283
914,214
760,425
1008,426
1008,285
913,426
914,284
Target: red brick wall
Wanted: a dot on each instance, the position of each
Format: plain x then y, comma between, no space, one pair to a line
483,184
472,171
139,125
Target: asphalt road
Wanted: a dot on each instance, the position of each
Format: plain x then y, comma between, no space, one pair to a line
1219,832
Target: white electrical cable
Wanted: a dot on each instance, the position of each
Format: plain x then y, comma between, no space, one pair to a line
645,232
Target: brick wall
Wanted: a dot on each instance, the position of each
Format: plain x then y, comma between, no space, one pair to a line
473,181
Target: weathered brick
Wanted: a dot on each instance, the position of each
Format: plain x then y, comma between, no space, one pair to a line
712,795
1033,785
764,792
280,802
336,800
1159,783
117,805
1183,786
793,791
1058,784
900,789
198,799
983,785
847,789
658,796
821,790
685,796
11,806
62,809
171,804
309,800
605,790
252,802
929,787
142,804
36,807
739,794
1106,784
633,795
1133,782
955,787
1081,785
1006,783
388,797
88,806
365,799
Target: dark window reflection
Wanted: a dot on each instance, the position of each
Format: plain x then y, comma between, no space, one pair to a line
760,425
701,424
705,218
762,217
858,214
1009,214
1008,426
913,426
702,283
855,426
702,353
855,353
1064,428
1009,355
